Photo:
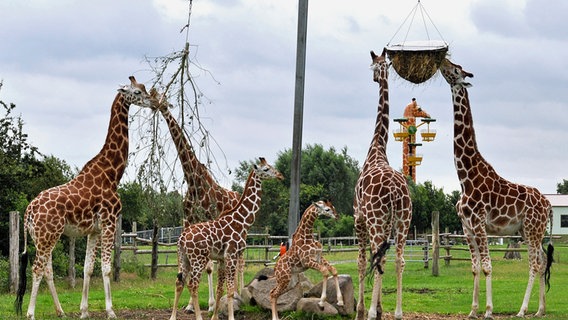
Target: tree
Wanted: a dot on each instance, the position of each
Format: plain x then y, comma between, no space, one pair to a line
22,174
133,208
426,198
562,187
324,174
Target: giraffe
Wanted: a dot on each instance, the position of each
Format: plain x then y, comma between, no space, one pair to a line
381,206
305,253
491,204
222,239
87,205
411,112
203,192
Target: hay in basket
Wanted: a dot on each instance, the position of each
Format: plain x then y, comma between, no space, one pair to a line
417,61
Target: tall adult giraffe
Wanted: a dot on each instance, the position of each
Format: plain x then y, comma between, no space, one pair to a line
86,205
305,253
205,199
493,205
382,205
222,239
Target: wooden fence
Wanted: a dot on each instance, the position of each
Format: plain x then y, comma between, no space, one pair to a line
261,247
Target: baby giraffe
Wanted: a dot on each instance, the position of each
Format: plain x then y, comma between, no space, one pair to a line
305,253
222,239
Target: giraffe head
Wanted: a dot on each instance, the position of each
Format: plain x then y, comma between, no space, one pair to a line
454,74
136,93
326,208
160,103
379,65
265,171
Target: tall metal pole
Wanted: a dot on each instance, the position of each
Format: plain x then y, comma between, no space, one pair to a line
294,209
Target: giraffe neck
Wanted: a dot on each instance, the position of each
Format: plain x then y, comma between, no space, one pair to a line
192,168
377,150
197,176
244,213
466,154
306,225
111,160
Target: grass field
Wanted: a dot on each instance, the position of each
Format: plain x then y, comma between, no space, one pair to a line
449,293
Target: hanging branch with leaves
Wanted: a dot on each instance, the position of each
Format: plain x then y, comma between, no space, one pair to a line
155,155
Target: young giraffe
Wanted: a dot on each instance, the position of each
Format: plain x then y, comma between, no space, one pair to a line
203,193
222,239
305,253
492,205
411,112
86,205
381,206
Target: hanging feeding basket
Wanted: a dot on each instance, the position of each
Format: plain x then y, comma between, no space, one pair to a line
417,61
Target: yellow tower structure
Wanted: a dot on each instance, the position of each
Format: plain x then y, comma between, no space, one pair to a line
406,133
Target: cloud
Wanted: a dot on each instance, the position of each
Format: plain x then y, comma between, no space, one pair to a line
66,59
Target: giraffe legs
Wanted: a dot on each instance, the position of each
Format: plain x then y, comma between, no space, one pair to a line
283,274
536,266
480,262
221,274
209,269
107,242
325,268
227,272
241,274
92,244
399,263
43,266
90,253
376,308
361,267
51,286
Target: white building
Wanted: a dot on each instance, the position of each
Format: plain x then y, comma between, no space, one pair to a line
560,207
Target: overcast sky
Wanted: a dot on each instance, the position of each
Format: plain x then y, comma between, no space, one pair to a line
62,61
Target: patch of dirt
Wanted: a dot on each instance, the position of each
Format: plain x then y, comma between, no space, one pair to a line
165,314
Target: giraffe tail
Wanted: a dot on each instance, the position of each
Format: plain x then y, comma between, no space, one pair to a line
22,284
377,258
549,254
22,277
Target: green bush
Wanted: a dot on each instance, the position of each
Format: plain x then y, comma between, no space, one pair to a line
130,264
4,275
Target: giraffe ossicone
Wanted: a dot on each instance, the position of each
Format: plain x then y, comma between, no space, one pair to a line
305,253
490,204
88,205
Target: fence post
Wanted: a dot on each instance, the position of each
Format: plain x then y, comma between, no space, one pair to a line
435,242
117,249
154,269
266,241
14,249
71,272
448,247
